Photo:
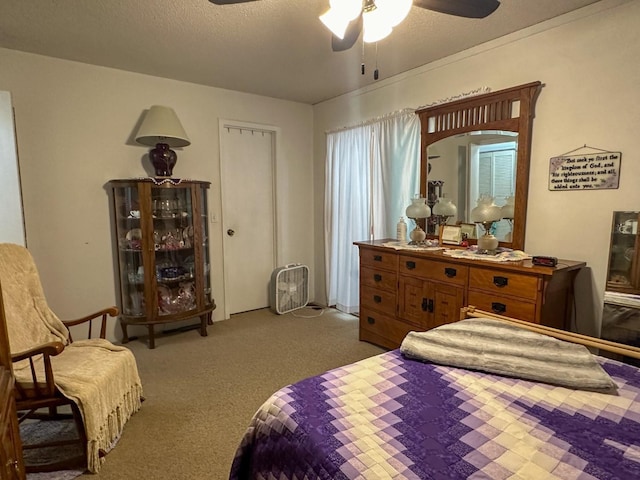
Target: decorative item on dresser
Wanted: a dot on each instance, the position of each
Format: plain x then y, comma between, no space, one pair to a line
418,210
162,243
486,214
405,290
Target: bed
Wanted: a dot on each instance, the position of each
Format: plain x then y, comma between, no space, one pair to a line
396,416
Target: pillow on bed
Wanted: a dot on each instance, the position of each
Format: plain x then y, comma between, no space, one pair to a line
496,347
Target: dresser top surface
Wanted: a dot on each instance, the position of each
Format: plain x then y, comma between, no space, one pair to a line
522,266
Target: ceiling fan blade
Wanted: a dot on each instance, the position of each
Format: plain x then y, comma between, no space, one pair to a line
354,29
229,2
460,8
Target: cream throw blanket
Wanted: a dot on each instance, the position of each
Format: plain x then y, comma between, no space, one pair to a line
101,378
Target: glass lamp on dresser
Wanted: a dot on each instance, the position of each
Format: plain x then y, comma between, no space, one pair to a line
162,243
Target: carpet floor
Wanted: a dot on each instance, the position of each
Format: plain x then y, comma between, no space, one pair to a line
201,392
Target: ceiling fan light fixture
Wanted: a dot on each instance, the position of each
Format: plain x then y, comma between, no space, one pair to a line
340,14
375,26
334,22
395,11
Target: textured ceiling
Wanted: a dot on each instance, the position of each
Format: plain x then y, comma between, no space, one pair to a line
276,48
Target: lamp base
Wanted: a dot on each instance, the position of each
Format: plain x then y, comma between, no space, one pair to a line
487,243
417,235
163,159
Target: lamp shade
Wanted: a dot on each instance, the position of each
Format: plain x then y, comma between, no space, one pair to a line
508,210
486,211
445,207
418,208
161,125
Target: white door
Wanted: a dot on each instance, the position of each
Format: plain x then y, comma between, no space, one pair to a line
247,165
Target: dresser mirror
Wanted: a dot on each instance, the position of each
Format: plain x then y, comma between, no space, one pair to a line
480,145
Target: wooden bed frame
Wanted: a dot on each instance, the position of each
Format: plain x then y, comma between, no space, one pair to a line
613,347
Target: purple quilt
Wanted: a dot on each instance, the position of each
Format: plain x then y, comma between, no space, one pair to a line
387,417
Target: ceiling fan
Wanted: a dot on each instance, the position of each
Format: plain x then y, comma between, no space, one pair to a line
458,8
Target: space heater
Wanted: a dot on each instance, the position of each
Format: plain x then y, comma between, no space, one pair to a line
289,289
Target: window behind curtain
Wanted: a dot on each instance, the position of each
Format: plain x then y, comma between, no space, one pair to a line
372,171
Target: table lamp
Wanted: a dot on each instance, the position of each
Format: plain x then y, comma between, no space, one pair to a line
443,210
486,213
417,210
508,213
162,129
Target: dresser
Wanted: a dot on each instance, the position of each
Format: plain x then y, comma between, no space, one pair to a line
405,290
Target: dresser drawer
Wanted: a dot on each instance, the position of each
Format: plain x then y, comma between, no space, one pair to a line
434,270
381,300
503,283
378,258
378,278
383,329
510,307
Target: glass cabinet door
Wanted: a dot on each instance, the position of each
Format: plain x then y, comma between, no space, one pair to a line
129,235
623,274
204,219
173,244
163,249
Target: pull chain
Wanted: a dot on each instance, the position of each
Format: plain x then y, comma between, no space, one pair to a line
375,72
362,62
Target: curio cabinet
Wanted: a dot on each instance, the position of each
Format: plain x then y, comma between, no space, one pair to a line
623,274
162,243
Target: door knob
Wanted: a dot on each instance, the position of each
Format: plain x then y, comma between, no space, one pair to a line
231,232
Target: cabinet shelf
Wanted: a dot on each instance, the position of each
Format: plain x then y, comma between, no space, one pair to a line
163,259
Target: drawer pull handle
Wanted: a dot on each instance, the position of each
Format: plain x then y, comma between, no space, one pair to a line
500,281
377,298
498,307
371,320
377,258
411,265
450,272
377,277
427,305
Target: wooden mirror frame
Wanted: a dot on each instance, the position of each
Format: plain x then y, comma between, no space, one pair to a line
489,111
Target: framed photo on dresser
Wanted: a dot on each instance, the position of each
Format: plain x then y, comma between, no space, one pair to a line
450,235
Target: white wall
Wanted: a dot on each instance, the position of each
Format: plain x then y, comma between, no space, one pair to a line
588,63
74,122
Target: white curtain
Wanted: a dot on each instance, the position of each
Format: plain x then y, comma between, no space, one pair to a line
372,171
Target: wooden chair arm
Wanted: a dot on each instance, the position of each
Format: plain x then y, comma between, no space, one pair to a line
111,311
48,349
42,387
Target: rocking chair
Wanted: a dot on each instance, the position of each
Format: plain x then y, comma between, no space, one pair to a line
97,380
